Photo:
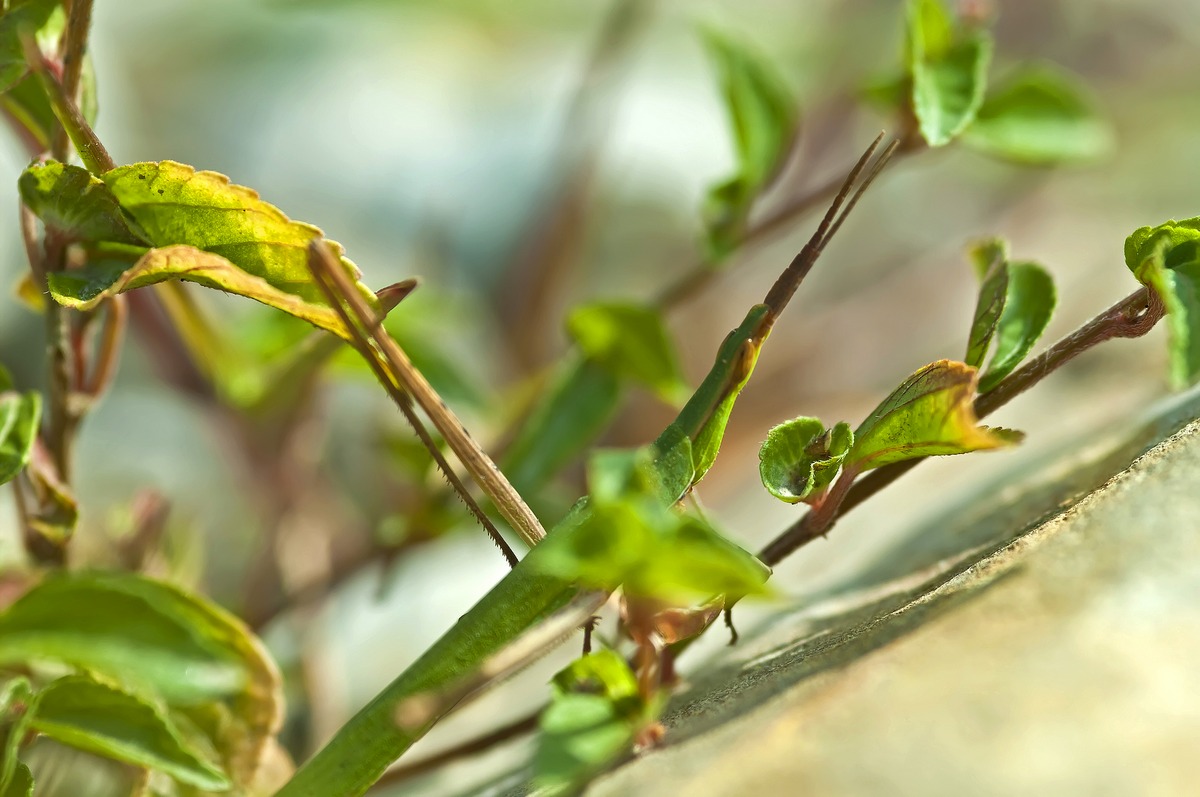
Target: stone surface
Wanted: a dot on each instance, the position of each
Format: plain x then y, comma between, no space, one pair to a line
1045,642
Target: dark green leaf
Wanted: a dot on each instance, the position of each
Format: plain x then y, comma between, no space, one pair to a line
29,16
1027,310
19,418
631,341
1167,259
85,713
801,457
69,199
930,414
763,117
949,71
566,420
1039,116
991,264
152,637
20,784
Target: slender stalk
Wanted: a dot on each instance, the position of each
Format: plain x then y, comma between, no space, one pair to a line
72,49
66,109
481,467
321,273
1132,317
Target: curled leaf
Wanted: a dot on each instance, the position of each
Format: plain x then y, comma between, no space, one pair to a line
949,69
1167,259
1029,304
86,287
930,414
88,714
801,457
991,264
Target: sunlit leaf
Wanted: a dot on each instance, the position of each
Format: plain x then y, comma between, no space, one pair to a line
565,421
173,204
762,115
801,457
1029,303
90,715
991,260
930,414
19,418
632,342
73,201
1040,115
86,287
155,638
1167,259
604,672
949,71
28,16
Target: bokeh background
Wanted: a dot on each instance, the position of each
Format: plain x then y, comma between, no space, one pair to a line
452,140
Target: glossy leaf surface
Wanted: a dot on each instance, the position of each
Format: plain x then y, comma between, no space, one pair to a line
801,457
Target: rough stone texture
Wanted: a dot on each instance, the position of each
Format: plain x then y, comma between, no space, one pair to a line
1045,642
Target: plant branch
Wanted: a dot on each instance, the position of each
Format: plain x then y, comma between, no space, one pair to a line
72,50
93,154
1132,317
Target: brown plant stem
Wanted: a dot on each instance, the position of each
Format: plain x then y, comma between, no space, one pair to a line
1132,317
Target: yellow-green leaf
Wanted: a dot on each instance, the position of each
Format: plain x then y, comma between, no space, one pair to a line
801,457
73,201
86,287
88,714
173,204
930,414
19,418
1167,259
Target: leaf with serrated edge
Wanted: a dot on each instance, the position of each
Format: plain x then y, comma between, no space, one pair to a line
86,287
173,204
153,636
1040,115
798,459
949,72
930,414
19,418
101,718
1029,303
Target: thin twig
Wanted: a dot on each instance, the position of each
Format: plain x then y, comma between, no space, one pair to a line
481,467
321,274
93,154
72,51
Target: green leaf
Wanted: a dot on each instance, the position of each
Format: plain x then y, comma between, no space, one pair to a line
1029,303
156,638
1040,115
73,201
949,71
1167,259
991,264
565,421
20,784
930,414
173,204
631,341
6,380
29,16
86,287
633,537
84,713
801,457
762,115
579,735
19,418
604,672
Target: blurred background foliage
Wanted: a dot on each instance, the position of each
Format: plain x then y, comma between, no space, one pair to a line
452,140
